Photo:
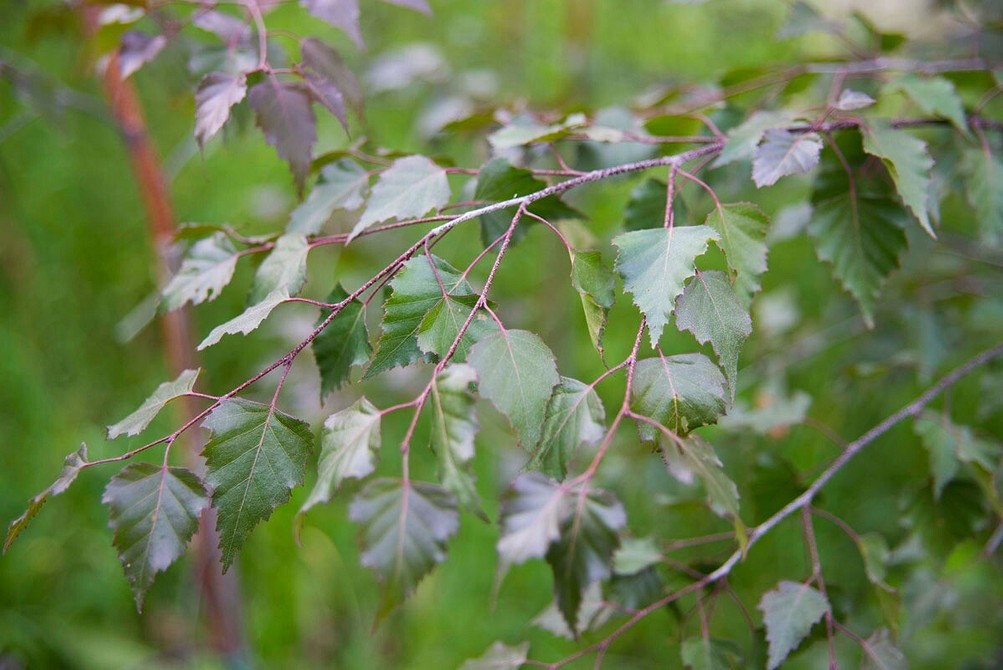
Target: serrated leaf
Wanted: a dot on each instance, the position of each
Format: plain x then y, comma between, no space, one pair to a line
741,229
583,552
342,185
850,100
858,230
654,265
205,271
454,426
282,110
880,653
532,509
438,330
743,139
704,653
575,416
255,456
154,511
596,286
248,320
681,392
343,345
499,656
593,613
215,95
517,372
411,187
349,449
136,423
693,458
933,95
329,79
983,175
774,413
951,445
909,164
283,269
415,292
789,612
635,555
342,14
404,530
710,310
136,50
71,468
783,153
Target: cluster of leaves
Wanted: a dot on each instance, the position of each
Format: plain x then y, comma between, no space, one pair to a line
692,266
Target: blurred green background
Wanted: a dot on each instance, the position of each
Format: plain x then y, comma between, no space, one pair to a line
76,258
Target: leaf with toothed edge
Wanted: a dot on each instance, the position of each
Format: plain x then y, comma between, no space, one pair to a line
681,392
282,110
136,423
742,231
909,164
784,153
343,344
454,426
71,468
575,416
596,286
342,185
410,188
789,613
532,509
248,320
216,94
206,270
284,268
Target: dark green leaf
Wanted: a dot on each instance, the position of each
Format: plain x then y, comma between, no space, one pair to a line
646,207
951,445
575,416
681,392
254,458
596,285
909,164
71,468
789,612
136,423
154,512
497,181
410,188
282,110
343,345
742,237
702,653
205,271
454,426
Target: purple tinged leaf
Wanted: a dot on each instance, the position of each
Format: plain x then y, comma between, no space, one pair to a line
282,111
326,94
416,5
136,50
71,468
784,153
228,28
154,511
342,14
850,100
325,62
215,95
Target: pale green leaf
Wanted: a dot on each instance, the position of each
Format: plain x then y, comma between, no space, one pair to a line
933,95
983,174
593,613
248,320
681,392
654,265
784,153
343,345
255,456
694,459
743,139
517,373
454,426
909,164
404,530
342,185
710,310
136,423
532,509
702,653
499,656
71,468
950,445
205,271
596,286
349,449
410,188
880,653
742,231
526,131
874,550
154,511
773,413
850,100
635,555
283,269
575,416
789,613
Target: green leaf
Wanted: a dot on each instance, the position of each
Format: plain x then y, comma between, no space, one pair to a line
694,458
71,468
154,511
454,426
773,413
909,164
983,174
743,139
583,552
710,310
517,373
596,286
254,458
404,530
933,95
646,207
532,509
593,613
343,345
880,653
415,292
635,555
410,188
803,19
789,612
742,237
951,445
282,110
349,449
526,131
205,271
858,229
654,265
248,320
784,153
499,656
574,416
283,269
439,328
703,653
874,551
681,392
136,423
497,181
342,185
